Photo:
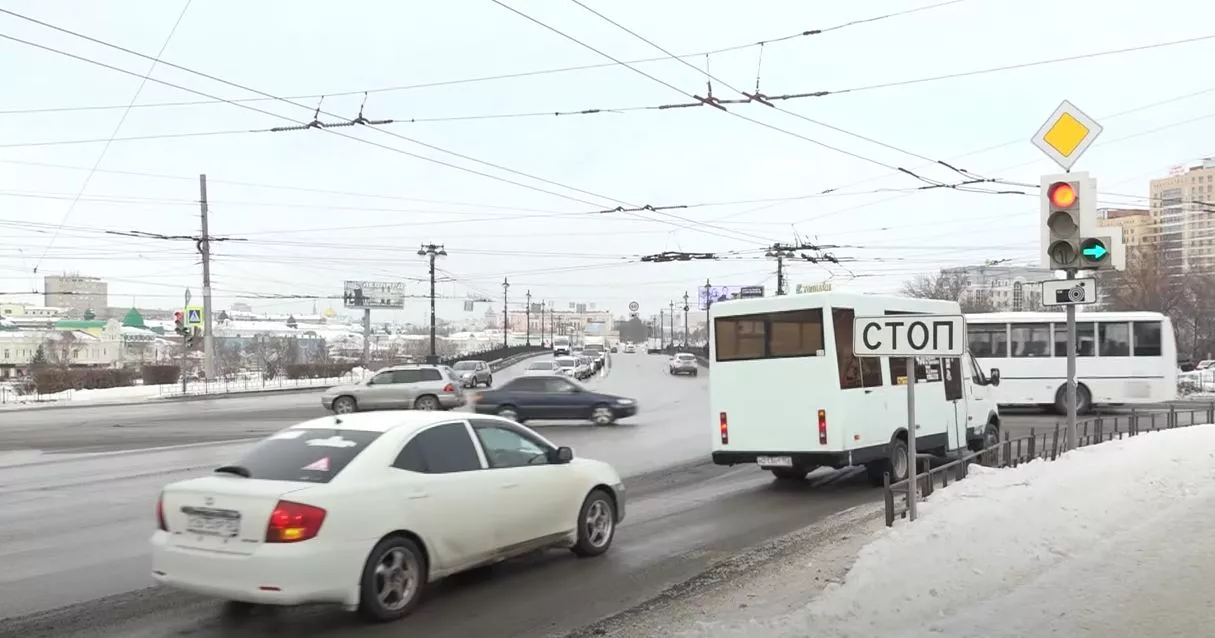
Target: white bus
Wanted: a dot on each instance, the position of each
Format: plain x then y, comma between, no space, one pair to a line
788,394
561,346
1121,357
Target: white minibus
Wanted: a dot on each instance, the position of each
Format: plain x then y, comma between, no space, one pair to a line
788,393
561,346
1121,357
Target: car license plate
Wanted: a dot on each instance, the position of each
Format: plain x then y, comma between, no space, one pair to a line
226,526
774,461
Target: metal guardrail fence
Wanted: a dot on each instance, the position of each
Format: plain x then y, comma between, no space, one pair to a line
1044,446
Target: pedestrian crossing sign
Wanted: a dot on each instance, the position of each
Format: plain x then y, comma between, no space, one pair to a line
194,316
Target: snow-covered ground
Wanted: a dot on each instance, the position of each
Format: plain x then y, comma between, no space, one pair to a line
1111,540
136,393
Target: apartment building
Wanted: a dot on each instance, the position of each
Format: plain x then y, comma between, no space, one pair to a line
1138,226
75,293
1183,215
1009,287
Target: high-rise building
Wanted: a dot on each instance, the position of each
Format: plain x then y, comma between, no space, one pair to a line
75,293
1137,224
1182,212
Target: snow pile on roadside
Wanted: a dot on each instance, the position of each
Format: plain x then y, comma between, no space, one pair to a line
135,393
1041,534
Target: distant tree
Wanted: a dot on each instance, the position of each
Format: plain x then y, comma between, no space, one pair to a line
39,356
633,330
60,348
948,286
223,315
1147,284
291,323
89,315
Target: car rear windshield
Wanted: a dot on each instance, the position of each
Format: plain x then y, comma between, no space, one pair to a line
305,454
547,365
466,365
567,362
686,357
594,347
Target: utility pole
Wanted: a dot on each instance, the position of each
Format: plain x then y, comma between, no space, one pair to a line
671,306
542,305
505,287
708,303
431,251
780,252
204,247
685,319
528,312
662,328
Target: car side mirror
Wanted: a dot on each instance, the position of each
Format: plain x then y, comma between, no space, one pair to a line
995,376
564,454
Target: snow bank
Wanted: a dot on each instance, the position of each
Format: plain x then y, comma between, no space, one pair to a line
1010,552
136,393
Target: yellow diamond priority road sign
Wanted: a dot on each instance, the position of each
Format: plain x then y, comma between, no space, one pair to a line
1066,135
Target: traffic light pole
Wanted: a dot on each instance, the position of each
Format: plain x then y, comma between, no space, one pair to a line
1072,442
181,366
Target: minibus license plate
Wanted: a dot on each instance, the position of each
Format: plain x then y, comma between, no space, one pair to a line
774,461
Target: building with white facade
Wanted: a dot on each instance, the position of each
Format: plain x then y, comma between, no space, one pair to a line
75,293
1009,287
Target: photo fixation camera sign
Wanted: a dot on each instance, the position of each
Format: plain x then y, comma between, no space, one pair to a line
1069,292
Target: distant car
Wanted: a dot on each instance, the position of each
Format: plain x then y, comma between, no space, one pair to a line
629,348
567,366
683,363
613,349
364,510
397,388
474,373
553,397
542,368
586,368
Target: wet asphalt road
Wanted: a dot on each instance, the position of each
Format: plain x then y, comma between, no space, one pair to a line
74,527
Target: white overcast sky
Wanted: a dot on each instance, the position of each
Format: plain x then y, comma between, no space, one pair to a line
304,242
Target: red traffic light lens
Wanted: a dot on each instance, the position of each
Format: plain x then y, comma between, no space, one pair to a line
1062,195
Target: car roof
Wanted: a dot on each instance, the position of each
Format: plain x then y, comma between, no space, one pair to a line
408,366
548,376
384,421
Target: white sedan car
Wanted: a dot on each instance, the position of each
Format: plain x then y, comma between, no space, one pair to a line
544,368
364,510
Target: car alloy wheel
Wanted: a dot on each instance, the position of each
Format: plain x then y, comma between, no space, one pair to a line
427,403
596,525
602,415
393,579
343,405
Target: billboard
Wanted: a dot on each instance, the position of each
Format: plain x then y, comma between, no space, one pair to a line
374,295
803,289
715,294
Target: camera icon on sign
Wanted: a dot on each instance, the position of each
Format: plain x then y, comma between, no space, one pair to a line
1074,294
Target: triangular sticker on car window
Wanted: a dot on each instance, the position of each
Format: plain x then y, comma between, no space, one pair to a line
319,465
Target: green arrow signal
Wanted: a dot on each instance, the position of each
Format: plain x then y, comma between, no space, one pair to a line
1095,251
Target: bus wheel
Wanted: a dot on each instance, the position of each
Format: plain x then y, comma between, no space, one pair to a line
896,465
789,473
1084,400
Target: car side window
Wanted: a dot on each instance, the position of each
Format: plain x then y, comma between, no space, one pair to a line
406,376
524,384
558,385
442,449
383,378
430,374
507,447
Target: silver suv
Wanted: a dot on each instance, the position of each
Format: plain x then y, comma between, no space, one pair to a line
474,373
397,388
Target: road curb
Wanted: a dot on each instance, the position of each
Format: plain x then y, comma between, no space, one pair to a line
504,363
738,565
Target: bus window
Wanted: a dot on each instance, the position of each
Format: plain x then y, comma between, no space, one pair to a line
855,372
988,340
1030,340
772,335
796,334
1147,338
740,338
1114,338
1086,340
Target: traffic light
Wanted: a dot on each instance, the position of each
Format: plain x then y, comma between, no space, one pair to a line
179,323
1061,203
1095,252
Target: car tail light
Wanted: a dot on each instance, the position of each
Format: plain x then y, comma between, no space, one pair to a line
160,513
725,429
449,388
822,427
294,522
